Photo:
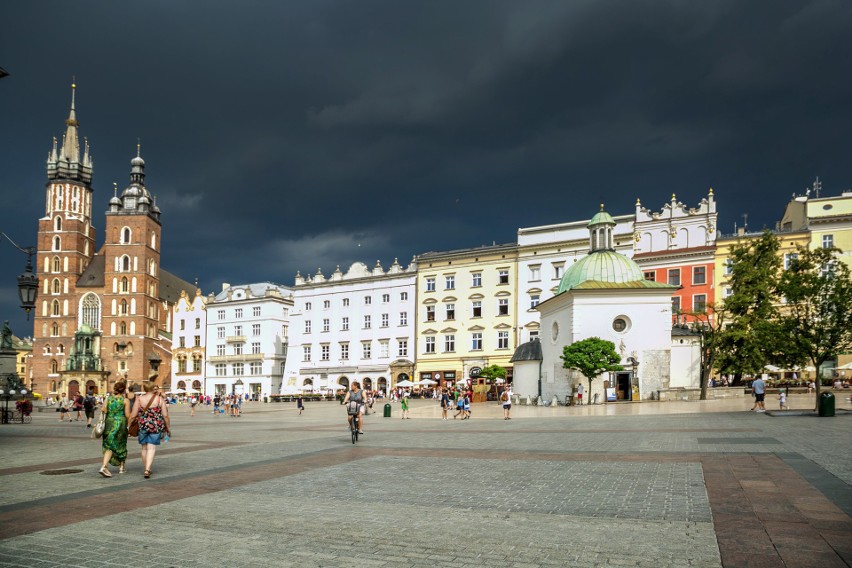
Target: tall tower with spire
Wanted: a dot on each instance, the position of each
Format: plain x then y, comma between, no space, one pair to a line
66,243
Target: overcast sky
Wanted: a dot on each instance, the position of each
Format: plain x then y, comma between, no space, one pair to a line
284,136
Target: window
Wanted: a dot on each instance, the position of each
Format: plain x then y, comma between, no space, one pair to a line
196,341
197,323
535,273
123,308
789,258
729,266
403,318
344,324
403,296
727,292
534,300
238,313
557,270
326,304
699,275
430,284
674,276
182,325
476,280
306,353
238,330
238,349
451,311
675,304
125,287
220,350
619,324
344,351
476,341
449,343
385,298
650,276
368,322
325,352
181,365
385,320
307,306
256,368
503,307
255,311
345,302
699,303
384,349
430,344
502,340
255,348
366,350
450,282
827,241
238,369
503,277
220,314
220,370
308,326
430,313
220,332
368,300
181,342
533,335
196,364
255,329
326,324
477,309
402,350
91,311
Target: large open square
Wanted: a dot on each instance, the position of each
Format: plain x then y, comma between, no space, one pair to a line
655,484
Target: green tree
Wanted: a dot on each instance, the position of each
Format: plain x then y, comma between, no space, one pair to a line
752,338
817,310
710,324
492,373
591,357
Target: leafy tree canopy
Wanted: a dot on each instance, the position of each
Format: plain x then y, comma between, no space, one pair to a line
591,357
493,372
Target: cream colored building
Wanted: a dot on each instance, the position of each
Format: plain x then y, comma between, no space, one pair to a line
466,311
829,219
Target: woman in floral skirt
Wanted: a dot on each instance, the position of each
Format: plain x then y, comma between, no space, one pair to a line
153,413
116,408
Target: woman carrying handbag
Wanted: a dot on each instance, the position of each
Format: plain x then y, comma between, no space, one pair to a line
116,410
152,415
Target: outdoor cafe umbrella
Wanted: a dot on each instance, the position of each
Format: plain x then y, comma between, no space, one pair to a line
426,382
405,383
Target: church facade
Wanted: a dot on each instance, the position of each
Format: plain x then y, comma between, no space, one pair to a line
103,314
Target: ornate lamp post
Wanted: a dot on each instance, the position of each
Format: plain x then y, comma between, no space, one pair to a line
28,281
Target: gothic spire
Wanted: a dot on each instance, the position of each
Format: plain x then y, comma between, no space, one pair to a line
65,163
70,143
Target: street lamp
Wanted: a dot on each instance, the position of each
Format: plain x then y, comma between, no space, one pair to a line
28,281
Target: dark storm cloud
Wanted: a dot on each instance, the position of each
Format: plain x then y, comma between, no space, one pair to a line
296,135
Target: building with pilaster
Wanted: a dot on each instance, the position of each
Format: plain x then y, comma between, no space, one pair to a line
189,339
358,325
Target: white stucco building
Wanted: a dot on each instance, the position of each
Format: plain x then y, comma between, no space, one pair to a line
605,295
357,325
189,342
247,329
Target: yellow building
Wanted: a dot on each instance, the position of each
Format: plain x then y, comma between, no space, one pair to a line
466,320
829,220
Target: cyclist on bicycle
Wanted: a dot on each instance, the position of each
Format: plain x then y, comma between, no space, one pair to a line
355,396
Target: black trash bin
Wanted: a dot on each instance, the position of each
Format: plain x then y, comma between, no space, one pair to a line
826,404
266,399
387,410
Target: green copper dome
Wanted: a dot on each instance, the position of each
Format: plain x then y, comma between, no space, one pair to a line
603,266
601,218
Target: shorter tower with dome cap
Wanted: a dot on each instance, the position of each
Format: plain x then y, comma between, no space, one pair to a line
605,295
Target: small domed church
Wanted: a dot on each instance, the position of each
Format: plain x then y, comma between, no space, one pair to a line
605,295
101,314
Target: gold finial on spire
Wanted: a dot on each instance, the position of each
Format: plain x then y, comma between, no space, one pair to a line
638,203
602,206
138,148
710,193
115,189
674,197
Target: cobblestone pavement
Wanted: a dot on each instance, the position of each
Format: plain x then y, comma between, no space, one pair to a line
670,484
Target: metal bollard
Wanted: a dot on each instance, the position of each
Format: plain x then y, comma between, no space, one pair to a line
387,410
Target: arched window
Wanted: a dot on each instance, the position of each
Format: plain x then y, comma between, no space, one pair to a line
125,263
55,308
123,310
54,330
54,366
60,349
124,285
57,243
125,235
122,329
57,286
153,240
57,266
90,307
47,349
57,224
152,269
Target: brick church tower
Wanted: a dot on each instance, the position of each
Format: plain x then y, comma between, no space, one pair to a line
66,244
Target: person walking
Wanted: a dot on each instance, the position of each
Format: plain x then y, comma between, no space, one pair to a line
782,399
64,405
153,416
506,398
192,402
445,404
116,409
579,394
758,390
405,402
89,405
300,404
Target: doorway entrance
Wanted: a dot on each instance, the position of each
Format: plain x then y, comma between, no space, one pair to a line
622,386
